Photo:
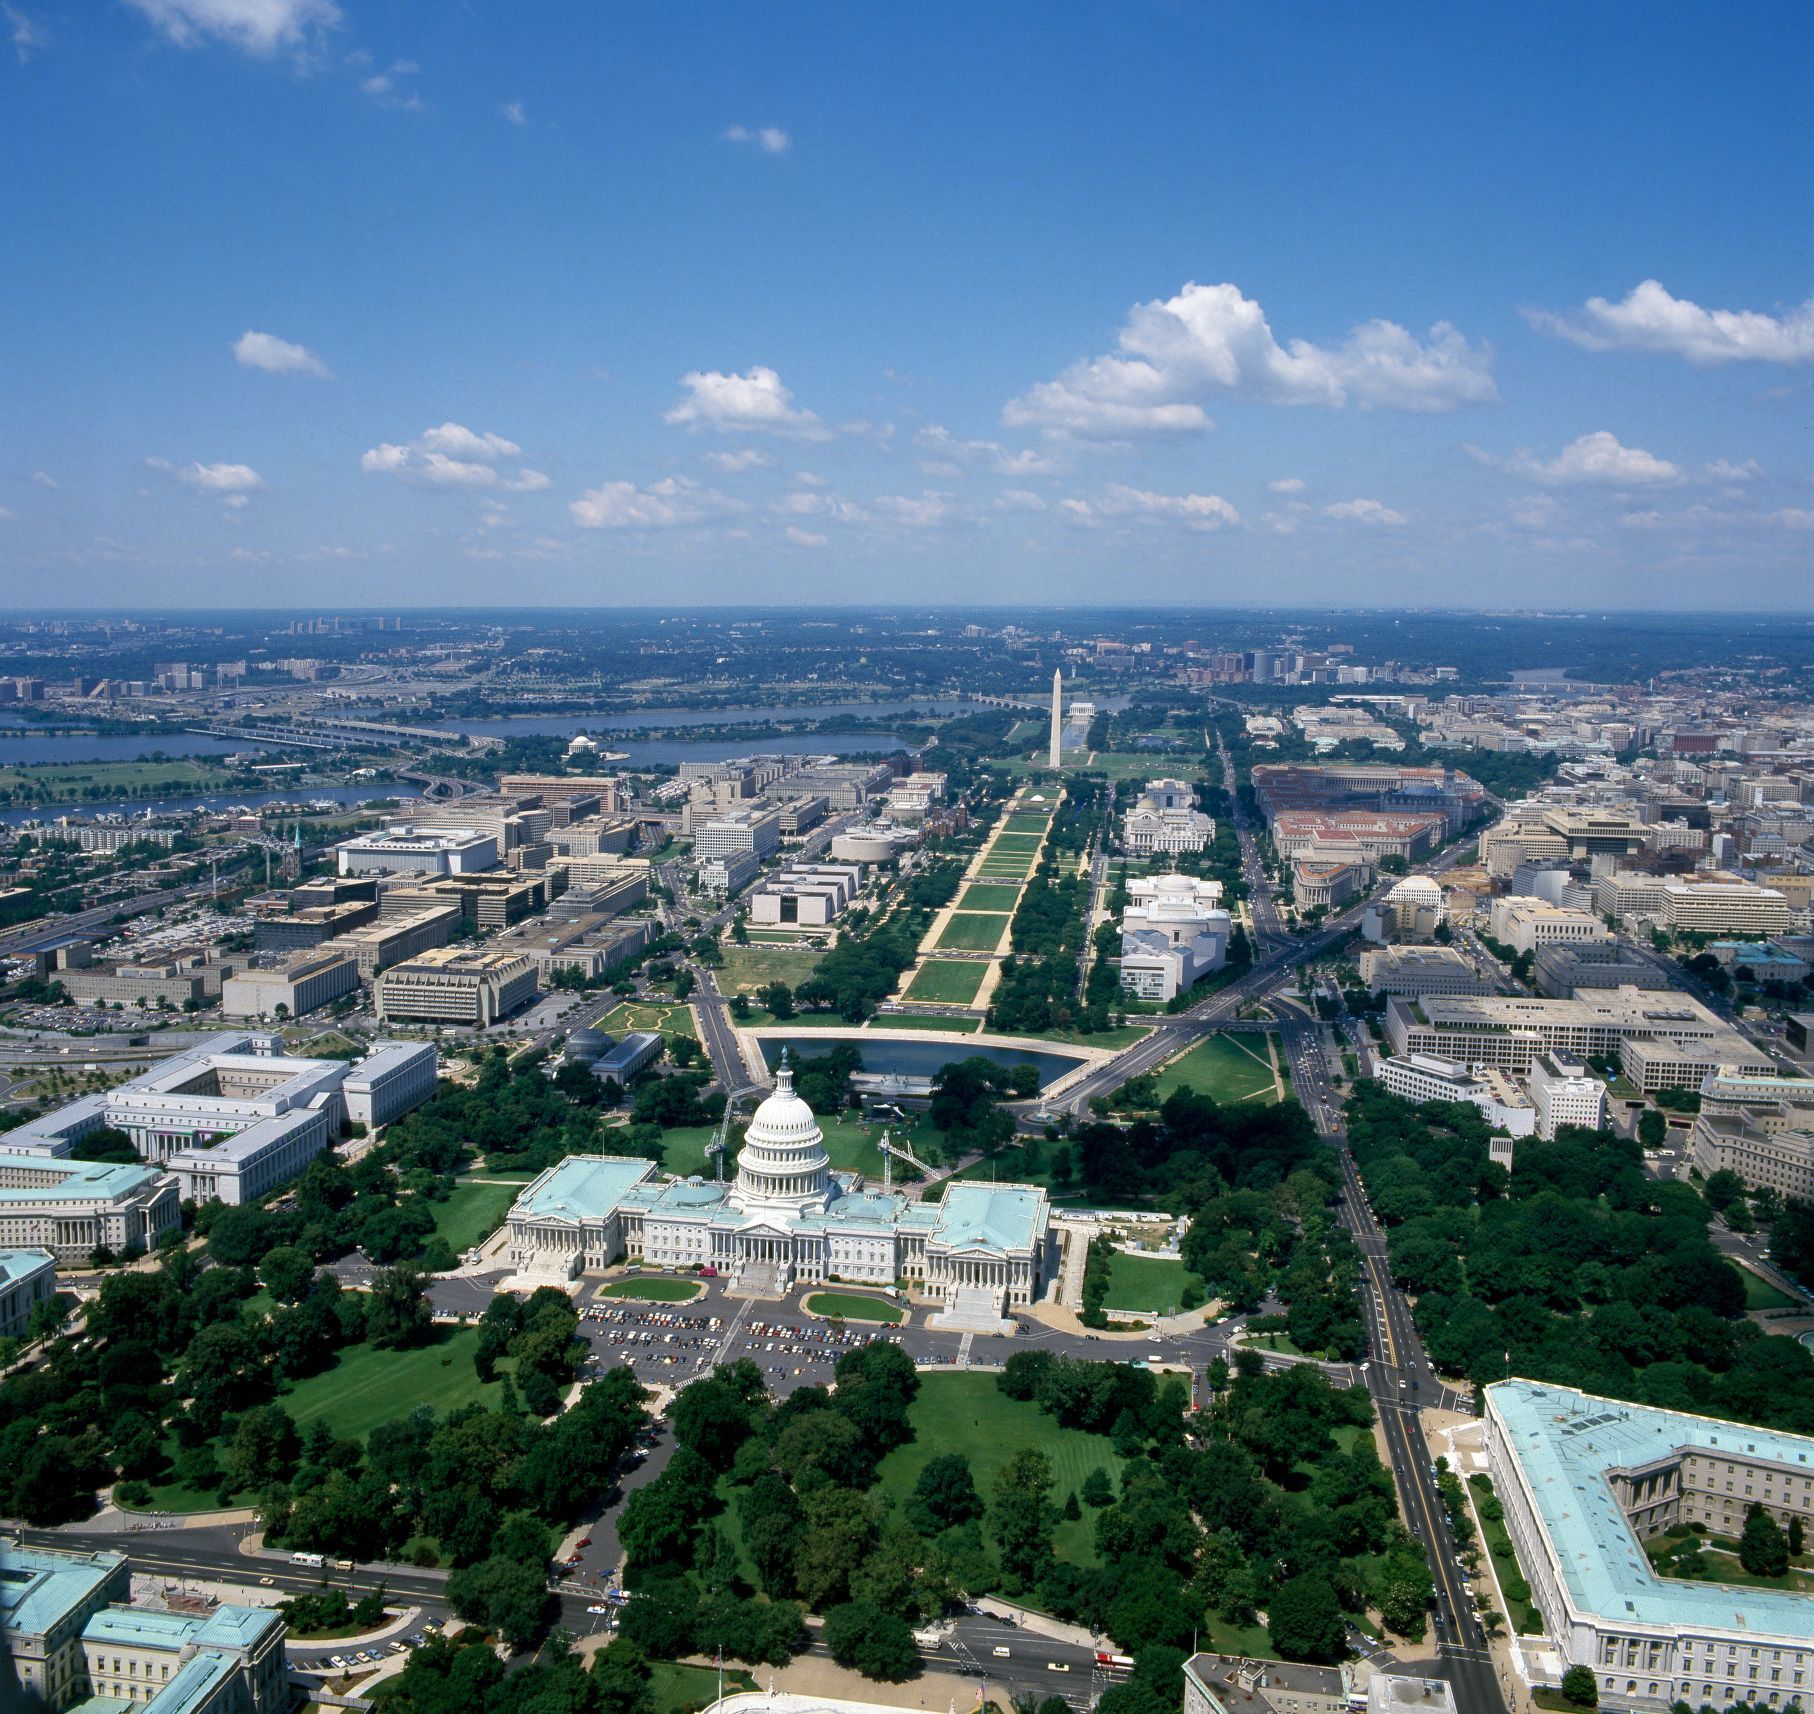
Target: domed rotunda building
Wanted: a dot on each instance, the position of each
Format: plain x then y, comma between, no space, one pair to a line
788,1218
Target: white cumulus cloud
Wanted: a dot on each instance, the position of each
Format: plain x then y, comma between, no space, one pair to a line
513,111
1174,355
1288,485
43,479
756,400
770,139
277,356
742,459
1117,500
1597,458
453,456
943,454
805,538
1364,512
917,511
1649,318
659,505
254,26
217,479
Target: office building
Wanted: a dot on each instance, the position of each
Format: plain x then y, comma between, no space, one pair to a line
1228,1684
729,873
1420,970
1773,1100
1173,931
1585,1480
488,901
1723,907
595,836
1321,880
1759,960
1564,1092
389,940
1627,893
800,815
173,984
412,850
1370,788
1422,1077
1378,836
299,985
980,1250
27,1279
46,1597
756,830
111,837
234,1116
809,894
1526,924
456,985
1510,1032
1562,969
1766,1157
73,1207
1165,819
1416,908
607,788
310,925
155,1662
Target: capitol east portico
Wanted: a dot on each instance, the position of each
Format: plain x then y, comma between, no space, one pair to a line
788,1219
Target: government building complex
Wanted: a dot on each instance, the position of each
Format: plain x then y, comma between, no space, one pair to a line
1586,1480
788,1219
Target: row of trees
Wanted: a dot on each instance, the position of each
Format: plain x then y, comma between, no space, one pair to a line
1577,1267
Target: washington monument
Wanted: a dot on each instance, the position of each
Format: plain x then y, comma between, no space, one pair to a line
1057,714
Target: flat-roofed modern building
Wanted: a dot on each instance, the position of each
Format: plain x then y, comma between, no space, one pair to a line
27,1279
813,894
1510,1032
1421,1077
1229,1684
389,940
1726,906
1526,924
417,851
756,829
300,984
1564,1092
456,985
1420,970
1562,969
1586,1480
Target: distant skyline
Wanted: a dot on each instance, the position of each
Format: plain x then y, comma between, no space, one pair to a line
319,303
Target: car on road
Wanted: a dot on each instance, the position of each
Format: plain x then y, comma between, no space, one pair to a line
1058,1666
1000,1652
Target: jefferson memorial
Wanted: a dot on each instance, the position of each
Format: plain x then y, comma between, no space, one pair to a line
787,1219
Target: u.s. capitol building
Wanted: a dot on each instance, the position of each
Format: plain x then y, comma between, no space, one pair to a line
787,1219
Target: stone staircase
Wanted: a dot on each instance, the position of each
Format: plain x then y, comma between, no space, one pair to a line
758,1279
973,1309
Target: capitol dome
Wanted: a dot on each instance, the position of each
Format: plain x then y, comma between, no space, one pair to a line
783,1166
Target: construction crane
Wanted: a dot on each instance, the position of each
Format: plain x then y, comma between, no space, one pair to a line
721,1138
893,1151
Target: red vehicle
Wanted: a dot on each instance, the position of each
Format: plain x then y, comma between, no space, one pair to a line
1114,1662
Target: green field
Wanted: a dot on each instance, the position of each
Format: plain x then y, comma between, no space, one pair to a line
981,896
652,1290
853,1308
53,782
948,980
1761,1294
671,1018
1147,1282
1004,868
1026,821
911,1021
969,1414
750,967
473,1212
1227,1068
972,931
675,1688
1016,842
367,1386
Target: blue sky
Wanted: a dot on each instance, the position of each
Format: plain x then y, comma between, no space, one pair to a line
345,302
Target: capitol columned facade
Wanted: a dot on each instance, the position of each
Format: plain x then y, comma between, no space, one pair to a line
787,1219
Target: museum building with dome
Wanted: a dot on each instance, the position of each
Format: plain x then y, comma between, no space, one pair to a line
787,1219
